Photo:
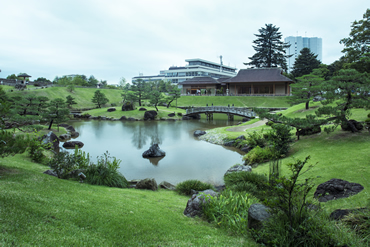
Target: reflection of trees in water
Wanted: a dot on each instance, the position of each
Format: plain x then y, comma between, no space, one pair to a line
97,127
142,131
139,138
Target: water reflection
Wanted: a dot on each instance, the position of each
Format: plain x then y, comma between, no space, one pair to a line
186,156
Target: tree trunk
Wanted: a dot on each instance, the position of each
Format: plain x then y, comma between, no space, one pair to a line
51,123
307,105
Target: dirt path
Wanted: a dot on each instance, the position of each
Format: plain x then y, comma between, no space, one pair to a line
244,127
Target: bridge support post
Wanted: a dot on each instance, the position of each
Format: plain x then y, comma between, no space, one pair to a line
209,116
230,116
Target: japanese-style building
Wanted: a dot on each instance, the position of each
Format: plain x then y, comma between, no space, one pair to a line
260,81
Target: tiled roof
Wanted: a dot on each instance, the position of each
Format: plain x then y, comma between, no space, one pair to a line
259,75
200,80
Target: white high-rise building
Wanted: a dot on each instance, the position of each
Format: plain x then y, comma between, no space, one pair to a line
297,43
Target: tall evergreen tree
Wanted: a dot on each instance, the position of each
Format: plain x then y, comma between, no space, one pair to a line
305,63
270,50
140,89
56,112
99,98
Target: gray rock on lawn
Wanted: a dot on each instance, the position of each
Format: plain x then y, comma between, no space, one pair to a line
51,173
238,168
154,151
336,188
147,184
150,115
199,133
194,205
167,186
111,109
241,137
257,213
52,139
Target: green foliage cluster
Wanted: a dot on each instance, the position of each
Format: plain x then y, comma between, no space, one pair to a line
105,172
36,149
186,187
228,210
99,99
359,221
259,155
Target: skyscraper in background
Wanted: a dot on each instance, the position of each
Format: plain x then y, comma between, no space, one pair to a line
297,43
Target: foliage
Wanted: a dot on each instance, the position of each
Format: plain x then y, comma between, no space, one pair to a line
186,187
57,112
255,139
357,45
105,172
280,138
269,49
36,149
305,63
258,155
156,98
140,90
70,101
250,182
359,220
229,210
174,93
99,98
64,163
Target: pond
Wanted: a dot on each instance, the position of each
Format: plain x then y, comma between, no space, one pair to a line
186,156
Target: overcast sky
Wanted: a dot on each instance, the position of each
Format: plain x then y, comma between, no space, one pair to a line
111,39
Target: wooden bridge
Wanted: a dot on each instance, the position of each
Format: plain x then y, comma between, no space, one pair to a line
231,111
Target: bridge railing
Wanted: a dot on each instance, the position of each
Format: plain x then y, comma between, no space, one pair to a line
221,109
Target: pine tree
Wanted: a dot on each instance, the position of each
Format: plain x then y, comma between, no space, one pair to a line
70,101
270,50
140,89
99,98
305,63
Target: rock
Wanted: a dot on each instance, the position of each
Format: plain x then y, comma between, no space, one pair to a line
199,133
167,186
131,119
242,137
245,119
64,125
72,144
257,213
70,128
154,151
75,134
171,114
111,109
194,205
229,143
142,109
147,184
186,118
123,118
52,139
338,214
65,137
347,126
127,106
50,172
238,168
150,115
336,188
246,148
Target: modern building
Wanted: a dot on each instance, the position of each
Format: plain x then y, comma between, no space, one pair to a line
195,67
297,43
248,82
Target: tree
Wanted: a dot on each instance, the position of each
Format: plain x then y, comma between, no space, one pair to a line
92,81
307,87
99,98
12,77
140,89
156,98
57,112
173,94
305,63
122,82
345,91
270,50
357,45
70,101
42,79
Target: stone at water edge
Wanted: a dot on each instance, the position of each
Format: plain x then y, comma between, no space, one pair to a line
194,205
147,184
199,133
154,151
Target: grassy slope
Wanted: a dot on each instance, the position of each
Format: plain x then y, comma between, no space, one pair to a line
38,209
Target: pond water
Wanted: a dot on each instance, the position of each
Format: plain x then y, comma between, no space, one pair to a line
186,156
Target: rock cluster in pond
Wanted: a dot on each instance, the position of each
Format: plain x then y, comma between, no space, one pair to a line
147,184
150,115
154,151
52,139
336,188
238,168
194,205
199,133
257,213
72,144
71,132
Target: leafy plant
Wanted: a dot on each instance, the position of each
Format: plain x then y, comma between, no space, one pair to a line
255,139
36,149
258,155
187,186
229,210
280,138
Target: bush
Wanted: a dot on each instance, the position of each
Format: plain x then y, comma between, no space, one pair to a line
251,182
280,138
258,155
36,150
113,104
255,139
179,114
359,220
229,210
185,187
106,173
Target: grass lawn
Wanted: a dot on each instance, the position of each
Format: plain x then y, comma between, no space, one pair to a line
38,209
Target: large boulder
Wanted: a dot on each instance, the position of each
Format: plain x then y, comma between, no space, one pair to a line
246,148
52,139
257,213
51,173
72,144
150,115
142,109
238,168
154,151
336,188
147,184
111,109
167,186
128,106
199,133
171,114
194,205
65,137
123,118
75,134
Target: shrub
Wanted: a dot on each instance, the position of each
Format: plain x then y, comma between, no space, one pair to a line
255,139
359,220
368,115
113,104
36,150
185,187
105,172
229,210
280,138
251,182
258,155
179,114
